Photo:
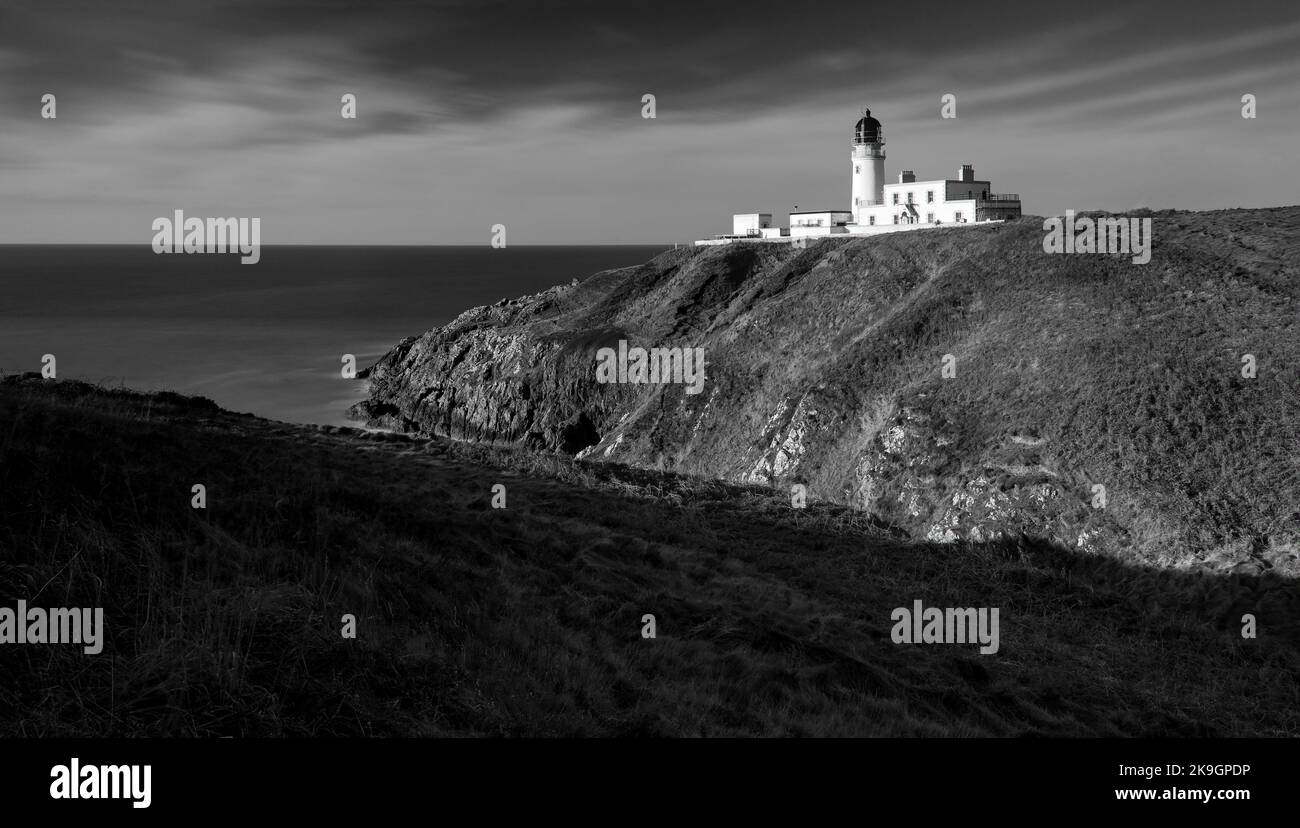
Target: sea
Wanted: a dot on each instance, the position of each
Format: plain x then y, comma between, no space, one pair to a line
268,338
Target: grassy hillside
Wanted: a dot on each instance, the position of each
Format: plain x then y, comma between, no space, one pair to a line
1071,372
526,621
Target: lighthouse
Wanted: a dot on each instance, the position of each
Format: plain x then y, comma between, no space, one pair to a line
868,164
879,206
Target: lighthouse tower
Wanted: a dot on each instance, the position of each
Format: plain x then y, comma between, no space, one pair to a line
868,164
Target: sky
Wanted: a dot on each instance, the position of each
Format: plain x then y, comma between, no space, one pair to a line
530,115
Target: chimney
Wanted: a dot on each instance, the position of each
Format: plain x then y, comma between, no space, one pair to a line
966,173
906,177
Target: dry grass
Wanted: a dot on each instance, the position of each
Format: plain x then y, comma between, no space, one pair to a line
525,621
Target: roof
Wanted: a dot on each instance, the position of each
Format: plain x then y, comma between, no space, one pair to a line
934,181
811,212
867,129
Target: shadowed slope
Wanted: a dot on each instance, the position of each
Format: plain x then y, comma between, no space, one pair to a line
526,621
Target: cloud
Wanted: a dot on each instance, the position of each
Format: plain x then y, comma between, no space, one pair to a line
492,111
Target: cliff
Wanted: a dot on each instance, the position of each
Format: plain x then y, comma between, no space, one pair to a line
1093,402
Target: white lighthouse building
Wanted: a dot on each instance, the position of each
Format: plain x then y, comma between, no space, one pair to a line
868,160
878,207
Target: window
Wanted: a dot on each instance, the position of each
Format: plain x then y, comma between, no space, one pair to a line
895,219
957,215
857,168
909,198
895,201
929,218
929,196
871,219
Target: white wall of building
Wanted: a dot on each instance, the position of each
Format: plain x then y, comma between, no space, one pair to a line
877,229
919,190
818,230
851,230
743,224
943,212
823,218
819,223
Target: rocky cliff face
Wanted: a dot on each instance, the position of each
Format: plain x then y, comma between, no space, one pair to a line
959,383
